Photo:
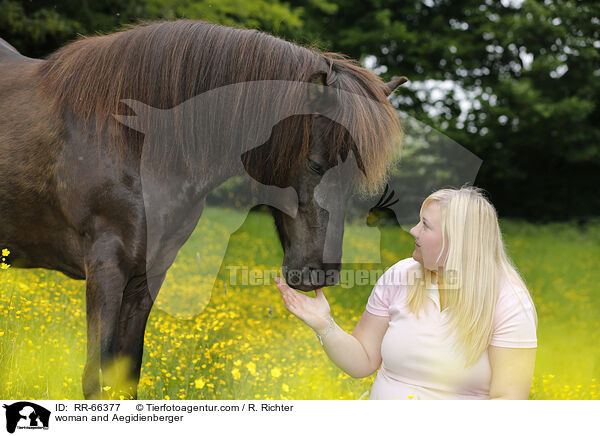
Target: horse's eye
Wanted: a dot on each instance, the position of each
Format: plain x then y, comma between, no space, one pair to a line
315,167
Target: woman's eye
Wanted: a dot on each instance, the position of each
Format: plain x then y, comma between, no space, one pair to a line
315,167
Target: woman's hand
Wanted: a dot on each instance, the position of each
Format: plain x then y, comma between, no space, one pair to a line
314,312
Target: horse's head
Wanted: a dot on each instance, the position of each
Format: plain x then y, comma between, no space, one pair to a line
323,180
312,240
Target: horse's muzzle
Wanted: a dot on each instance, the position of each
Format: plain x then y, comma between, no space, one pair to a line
312,277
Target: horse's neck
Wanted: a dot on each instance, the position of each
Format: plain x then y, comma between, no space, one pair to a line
178,198
173,207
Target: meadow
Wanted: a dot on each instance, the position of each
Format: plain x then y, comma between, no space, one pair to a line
232,338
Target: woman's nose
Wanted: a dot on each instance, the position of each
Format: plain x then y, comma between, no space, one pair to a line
413,231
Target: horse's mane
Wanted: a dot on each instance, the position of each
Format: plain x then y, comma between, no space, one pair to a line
164,64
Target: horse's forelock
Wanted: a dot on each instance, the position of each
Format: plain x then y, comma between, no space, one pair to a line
375,125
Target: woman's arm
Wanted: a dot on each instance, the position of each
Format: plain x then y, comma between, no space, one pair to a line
512,372
358,354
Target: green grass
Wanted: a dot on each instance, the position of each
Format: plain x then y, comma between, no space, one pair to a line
559,263
209,340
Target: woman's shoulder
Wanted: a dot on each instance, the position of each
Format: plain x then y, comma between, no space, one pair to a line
390,286
401,273
512,293
515,318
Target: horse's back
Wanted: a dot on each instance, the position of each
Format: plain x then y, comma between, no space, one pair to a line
18,93
8,52
6,46
15,69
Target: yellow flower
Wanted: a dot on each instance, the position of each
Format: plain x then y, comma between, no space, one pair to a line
285,388
410,397
199,383
237,362
5,252
251,367
275,372
4,266
236,373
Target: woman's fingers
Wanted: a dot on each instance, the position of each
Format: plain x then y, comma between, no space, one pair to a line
308,309
300,302
294,301
285,289
288,294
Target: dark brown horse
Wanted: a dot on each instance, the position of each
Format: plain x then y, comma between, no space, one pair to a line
71,162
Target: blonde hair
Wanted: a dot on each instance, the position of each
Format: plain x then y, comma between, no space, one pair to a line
473,269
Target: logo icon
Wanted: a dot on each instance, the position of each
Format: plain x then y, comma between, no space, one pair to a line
26,415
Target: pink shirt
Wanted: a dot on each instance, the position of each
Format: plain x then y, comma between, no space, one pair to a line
419,361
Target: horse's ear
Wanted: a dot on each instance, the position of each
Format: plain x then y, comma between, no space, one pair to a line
391,86
318,78
319,96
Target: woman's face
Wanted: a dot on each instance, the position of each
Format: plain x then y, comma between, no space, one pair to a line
428,238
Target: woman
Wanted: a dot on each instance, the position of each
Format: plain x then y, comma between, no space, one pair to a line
455,321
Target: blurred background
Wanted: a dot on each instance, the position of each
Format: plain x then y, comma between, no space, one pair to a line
514,83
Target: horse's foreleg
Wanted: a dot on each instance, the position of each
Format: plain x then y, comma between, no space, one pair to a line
135,309
105,282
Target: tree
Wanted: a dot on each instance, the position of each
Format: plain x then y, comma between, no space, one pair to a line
517,83
38,27
530,75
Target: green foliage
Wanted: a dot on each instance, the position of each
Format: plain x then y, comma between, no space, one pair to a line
266,15
530,73
38,27
35,32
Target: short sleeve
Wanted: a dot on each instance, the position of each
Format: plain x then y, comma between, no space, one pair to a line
379,301
514,320
388,287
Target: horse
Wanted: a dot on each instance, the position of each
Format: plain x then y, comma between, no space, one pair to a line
72,165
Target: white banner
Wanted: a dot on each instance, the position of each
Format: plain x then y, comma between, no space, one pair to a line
298,417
